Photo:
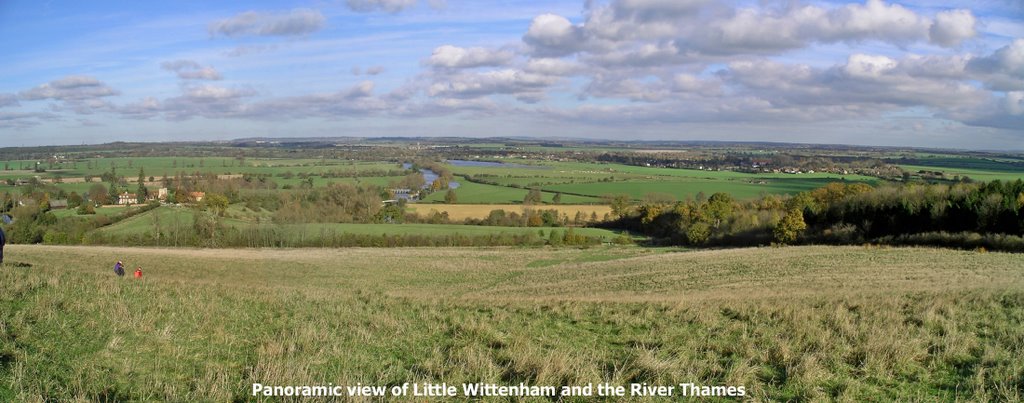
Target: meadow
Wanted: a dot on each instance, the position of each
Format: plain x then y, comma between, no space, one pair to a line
795,323
169,219
588,182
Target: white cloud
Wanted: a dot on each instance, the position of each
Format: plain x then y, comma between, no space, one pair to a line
952,27
454,57
478,84
552,67
1004,69
868,66
70,88
294,23
554,35
391,6
190,70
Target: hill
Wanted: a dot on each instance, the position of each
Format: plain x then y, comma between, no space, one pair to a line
797,323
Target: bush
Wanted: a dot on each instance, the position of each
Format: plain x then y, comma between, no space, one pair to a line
86,209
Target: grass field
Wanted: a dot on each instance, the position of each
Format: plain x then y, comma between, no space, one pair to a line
984,175
461,212
791,324
587,182
167,217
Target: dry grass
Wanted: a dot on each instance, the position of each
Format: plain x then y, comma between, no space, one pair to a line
803,323
459,212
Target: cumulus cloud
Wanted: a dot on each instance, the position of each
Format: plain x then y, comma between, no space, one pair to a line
952,27
523,85
648,61
663,31
390,6
70,88
554,35
455,57
1003,70
552,67
294,23
190,70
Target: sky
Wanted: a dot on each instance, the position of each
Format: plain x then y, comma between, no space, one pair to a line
921,73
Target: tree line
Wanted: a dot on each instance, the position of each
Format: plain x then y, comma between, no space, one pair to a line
970,215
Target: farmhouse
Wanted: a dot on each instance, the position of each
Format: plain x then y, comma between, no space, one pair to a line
58,204
127,198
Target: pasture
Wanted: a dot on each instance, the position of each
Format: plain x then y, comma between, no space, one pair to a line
797,323
169,220
588,182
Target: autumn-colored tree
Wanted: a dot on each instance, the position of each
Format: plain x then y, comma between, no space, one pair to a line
534,196
216,202
790,227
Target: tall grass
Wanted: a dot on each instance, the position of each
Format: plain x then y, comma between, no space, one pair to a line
802,323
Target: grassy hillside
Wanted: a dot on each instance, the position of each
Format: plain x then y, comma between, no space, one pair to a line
800,323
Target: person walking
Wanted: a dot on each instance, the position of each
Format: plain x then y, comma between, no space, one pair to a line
119,268
138,272
3,240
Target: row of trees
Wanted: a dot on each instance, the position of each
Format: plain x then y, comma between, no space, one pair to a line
841,213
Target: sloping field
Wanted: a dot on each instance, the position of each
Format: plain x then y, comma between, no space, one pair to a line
799,323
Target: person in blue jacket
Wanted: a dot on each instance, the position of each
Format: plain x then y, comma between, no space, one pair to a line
119,268
3,240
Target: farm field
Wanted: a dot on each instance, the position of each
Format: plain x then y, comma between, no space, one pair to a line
168,217
461,212
591,181
796,323
984,175
73,174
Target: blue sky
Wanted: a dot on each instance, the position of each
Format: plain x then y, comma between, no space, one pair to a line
909,73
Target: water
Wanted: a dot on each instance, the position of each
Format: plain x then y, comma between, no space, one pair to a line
430,176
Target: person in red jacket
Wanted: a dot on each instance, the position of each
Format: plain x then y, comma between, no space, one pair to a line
138,272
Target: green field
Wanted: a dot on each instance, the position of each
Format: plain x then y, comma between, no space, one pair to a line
789,324
167,217
975,174
74,172
588,182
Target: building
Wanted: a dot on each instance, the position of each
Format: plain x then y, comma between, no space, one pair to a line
197,196
127,198
162,194
58,204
